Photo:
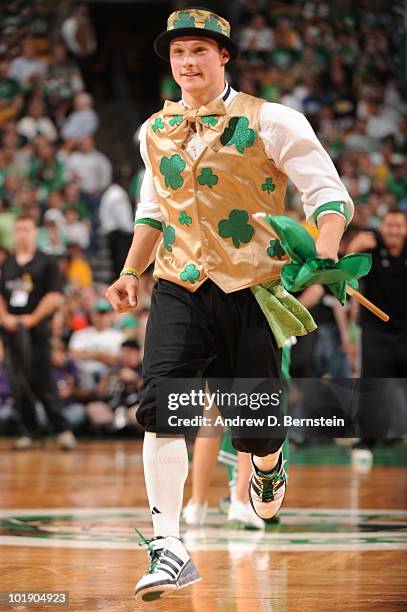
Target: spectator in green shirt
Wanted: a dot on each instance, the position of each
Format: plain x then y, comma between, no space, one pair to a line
46,171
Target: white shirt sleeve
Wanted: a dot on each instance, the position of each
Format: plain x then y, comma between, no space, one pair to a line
148,207
291,143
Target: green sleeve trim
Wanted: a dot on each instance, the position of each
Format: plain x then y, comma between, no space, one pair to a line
337,207
151,222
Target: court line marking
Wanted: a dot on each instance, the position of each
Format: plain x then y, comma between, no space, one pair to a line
233,547
213,537
137,510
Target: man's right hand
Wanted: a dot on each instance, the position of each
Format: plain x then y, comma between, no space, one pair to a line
9,322
123,293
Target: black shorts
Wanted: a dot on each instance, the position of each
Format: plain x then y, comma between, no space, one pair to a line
211,334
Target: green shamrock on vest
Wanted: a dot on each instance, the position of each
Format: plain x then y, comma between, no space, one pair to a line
168,236
184,218
175,120
268,185
184,20
275,249
190,273
171,168
239,134
207,177
158,124
209,120
236,227
212,23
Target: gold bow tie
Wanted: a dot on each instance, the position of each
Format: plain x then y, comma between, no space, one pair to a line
209,121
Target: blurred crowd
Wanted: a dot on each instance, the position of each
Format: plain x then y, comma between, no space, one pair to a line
52,171
337,62
340,63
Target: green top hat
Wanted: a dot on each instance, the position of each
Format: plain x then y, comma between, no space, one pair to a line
199,22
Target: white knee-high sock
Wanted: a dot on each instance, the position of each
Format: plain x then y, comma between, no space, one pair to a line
165,471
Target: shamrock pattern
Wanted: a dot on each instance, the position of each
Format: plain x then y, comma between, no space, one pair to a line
168,236
236,227
171,168
212,23
239,134
184,218
275,249
190,273
158,124
175,120
209,120
268,185
184,20
207,177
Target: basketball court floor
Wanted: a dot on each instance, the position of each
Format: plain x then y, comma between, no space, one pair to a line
67,524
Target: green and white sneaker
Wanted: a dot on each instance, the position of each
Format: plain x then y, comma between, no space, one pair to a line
171,568
267,489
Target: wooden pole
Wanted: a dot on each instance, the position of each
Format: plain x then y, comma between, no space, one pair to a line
367,303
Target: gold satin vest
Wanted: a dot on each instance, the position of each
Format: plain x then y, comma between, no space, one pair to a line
207,204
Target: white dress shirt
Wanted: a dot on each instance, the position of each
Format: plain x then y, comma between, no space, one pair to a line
289,141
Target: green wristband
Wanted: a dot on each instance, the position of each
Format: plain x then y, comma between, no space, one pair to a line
130,272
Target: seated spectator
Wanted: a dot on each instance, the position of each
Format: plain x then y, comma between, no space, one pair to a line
14,164
286,35
380,121
257,35
35,123
89,167
93,171
51,240
79,272
116,396
10,93
78,32
26,68
55,200
83,121
7,219
96,348
72,199
55,213
63,78
357,139
77,231
46,170
66,376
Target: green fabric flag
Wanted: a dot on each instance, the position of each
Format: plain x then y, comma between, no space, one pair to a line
306,268
285,314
